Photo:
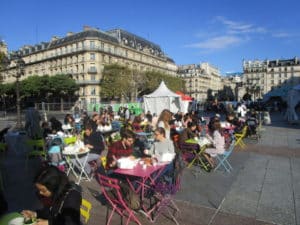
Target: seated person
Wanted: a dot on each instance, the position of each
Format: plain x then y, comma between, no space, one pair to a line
233,120
95,142
212,120
55,125
46,129
161,146
218,142
137,124
252,123
69,120
119,149
188,133
61,199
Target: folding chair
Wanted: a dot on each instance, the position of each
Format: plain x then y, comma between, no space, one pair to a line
187,149
37,148
198,157
112,191
222,158
164,193
85,209
240,136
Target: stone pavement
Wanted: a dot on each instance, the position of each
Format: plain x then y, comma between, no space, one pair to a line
264,187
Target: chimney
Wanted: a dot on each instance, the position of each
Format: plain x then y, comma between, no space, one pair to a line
3,47
86,27
70,33
54,38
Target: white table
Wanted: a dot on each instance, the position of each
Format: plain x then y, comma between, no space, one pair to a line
73,152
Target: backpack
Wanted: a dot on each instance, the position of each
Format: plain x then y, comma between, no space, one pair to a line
55,156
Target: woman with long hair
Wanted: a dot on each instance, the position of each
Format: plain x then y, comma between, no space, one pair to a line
164,121
218,142
61,199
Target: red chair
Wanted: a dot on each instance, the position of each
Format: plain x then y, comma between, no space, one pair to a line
112,191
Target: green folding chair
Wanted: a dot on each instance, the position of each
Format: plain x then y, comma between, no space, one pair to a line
37,148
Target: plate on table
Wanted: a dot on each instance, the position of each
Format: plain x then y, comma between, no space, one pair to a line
17,221
70,149
30,221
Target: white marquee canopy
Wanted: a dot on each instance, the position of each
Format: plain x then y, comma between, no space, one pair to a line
162,98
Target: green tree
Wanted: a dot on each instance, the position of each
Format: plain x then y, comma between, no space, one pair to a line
62,87
154,78
226,94
35,87
116,82
121,81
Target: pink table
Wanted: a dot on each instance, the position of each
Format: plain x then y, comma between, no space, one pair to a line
145,177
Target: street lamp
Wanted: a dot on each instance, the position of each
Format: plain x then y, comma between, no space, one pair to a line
20,68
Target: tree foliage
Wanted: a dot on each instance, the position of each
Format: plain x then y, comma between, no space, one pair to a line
226,94
132,83
39,87
61,85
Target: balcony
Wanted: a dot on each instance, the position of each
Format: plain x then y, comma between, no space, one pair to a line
92,70
85,82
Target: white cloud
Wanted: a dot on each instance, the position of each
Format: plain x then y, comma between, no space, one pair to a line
239,27
215,43
281,35
224,33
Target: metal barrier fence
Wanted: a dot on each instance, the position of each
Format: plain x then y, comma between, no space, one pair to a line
136,107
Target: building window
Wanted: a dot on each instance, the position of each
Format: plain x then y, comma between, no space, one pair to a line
93,91
92,69
92,44
93,77
93,100
92,56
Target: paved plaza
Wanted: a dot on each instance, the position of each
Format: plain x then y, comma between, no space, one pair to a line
264,187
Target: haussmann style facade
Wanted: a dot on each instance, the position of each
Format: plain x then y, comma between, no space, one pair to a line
83,56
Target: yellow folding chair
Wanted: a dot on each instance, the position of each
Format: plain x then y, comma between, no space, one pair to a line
85,209
198,159
240,136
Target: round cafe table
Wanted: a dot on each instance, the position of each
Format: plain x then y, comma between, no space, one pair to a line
4,220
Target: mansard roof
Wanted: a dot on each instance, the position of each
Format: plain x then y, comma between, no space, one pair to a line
134,41
82,35
117,36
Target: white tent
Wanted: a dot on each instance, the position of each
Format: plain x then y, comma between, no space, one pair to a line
162,98
292,101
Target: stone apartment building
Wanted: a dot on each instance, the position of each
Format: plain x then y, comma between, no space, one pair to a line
83,56
261,77
199,78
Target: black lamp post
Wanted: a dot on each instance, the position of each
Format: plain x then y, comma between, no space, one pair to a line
20,68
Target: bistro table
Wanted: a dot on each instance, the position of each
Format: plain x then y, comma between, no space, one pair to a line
5,219
140,179
73,154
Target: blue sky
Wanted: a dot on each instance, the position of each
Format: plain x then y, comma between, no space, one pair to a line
221,32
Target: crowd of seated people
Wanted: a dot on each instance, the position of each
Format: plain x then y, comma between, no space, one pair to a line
164,127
